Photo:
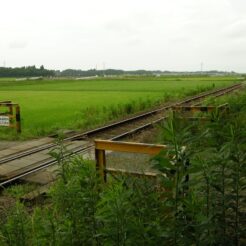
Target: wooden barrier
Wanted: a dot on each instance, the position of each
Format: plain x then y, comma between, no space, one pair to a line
204,109
102,145
11,118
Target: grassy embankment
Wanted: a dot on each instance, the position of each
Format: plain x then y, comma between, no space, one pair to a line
49,105
208,208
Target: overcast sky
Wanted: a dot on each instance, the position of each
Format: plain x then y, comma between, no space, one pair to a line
126,34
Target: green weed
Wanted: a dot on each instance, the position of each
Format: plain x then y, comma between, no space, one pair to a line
199,198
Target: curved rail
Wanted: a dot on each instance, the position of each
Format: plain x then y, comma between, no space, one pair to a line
79,150
216,93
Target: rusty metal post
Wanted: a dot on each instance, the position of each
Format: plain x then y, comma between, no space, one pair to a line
18,119
192,110
10,109
11,112
101,163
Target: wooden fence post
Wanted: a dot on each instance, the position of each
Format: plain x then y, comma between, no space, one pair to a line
18,119
101,163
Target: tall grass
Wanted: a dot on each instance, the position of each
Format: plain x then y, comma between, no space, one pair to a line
199,199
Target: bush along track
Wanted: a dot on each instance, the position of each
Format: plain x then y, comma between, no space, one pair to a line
199,201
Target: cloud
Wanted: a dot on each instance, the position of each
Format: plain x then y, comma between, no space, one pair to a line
18,45
236,30
128,34
135,42
120,26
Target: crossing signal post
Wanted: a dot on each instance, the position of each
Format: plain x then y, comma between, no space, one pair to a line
10,115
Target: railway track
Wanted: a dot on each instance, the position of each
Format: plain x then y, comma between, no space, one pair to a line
114,131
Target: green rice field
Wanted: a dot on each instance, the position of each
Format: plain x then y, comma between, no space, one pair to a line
50,105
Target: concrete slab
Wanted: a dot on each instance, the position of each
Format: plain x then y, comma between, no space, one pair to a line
42,178
24,146
49,174
26,163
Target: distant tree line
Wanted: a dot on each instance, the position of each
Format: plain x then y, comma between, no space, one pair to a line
94,72
30,71
117,72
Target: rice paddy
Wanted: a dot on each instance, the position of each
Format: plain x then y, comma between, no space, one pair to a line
50,105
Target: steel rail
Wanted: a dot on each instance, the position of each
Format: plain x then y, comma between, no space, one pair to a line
79,150
152,112
75,151
221,92
44,165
